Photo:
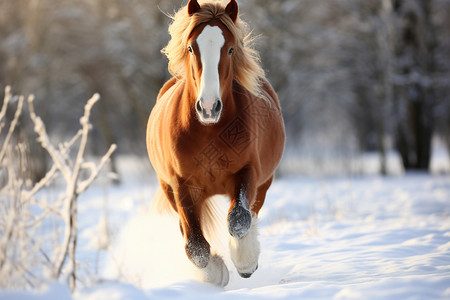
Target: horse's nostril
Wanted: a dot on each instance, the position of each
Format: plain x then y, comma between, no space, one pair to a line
218,106
198,106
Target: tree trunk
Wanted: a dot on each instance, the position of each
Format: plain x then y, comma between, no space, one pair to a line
413,87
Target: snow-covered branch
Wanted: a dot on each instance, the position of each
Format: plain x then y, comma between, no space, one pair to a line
13,124
18,224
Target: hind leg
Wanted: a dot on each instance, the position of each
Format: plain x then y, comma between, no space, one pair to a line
245,250
197,248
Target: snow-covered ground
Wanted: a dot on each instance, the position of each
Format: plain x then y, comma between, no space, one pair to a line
321,238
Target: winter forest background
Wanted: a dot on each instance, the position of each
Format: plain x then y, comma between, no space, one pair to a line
353,76
364,87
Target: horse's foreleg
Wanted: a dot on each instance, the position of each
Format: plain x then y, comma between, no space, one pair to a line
239,216
245,250
197,248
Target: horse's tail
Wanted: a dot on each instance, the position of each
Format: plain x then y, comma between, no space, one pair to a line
213,220
213,216
160,204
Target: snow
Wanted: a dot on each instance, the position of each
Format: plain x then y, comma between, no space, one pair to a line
321,238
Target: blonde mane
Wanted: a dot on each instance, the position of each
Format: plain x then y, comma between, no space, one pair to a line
247,69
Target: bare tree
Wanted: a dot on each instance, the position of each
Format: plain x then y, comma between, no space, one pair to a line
413,84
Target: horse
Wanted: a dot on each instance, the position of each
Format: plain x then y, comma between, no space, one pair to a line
216,129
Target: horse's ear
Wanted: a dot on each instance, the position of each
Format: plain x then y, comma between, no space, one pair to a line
193,7
232,10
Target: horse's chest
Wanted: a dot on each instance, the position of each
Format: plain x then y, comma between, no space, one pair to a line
216,155
206,154
208,159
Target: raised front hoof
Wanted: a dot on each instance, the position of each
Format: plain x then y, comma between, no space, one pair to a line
239,221
247,274
198,253
216,272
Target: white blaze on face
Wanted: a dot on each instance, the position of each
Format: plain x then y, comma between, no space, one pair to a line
210,42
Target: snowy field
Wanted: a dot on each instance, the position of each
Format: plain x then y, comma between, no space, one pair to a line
321,238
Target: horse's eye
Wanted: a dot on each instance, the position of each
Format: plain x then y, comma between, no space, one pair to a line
230,51
190,49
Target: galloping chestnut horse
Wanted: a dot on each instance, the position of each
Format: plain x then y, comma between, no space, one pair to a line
216,128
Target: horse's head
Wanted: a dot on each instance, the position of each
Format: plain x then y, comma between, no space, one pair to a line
209,63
